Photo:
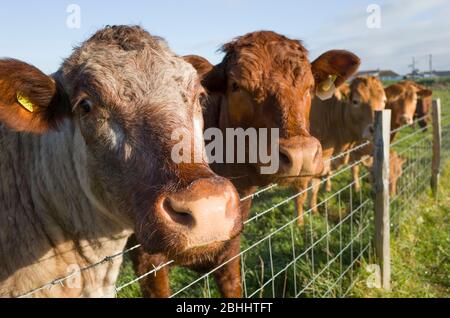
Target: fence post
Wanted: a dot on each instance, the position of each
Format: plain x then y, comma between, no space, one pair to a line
381,185
437,140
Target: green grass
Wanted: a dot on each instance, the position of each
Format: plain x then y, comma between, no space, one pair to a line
420,253
436,83
419,241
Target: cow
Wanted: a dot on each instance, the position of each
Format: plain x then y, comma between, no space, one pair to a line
402,101
396,164
85,162
343,92
423,111
395,168
340,125
264,81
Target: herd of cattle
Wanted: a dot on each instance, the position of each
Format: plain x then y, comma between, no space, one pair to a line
85,153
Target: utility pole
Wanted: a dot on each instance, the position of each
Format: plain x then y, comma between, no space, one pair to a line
413,67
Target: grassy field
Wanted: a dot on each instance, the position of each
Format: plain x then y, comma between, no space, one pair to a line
420,253
328,256
437,83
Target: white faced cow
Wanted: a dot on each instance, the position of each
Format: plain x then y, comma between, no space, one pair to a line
85,162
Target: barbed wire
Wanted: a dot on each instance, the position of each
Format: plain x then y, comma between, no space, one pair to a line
60,281
416,121
153,271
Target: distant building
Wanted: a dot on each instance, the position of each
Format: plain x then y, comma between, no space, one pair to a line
384,75
434,74
388,75
441,74
415,75
375,73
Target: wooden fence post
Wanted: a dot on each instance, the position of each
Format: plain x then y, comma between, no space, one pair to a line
382,204
437,140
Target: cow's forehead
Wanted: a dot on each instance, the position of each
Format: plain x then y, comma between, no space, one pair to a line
368,87
273,58
130,64
264,59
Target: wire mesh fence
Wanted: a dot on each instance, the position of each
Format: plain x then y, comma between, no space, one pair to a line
323,257
279,258
417,152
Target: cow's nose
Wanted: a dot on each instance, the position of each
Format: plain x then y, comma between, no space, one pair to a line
206,212
312,158
300,157
406,120
290,162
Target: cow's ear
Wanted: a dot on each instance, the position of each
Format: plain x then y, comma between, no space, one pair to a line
394,92
423,93
213,77
30,101
201,65
421,90
215,81
332,69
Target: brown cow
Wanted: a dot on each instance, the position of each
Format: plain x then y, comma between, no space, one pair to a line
401,97
339,125
402,100
85,160
343,92
264,81
365,155
423,111
395,168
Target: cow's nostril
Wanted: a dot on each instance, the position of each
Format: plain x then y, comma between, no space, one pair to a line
177,213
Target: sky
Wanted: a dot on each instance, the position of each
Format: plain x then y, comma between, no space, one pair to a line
38,31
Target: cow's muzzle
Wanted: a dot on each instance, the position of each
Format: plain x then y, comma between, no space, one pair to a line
205,213
300,156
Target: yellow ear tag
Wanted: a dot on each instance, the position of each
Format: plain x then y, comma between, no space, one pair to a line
25,102
327,88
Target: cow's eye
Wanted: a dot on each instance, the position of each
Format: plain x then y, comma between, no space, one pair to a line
85,105
235,87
